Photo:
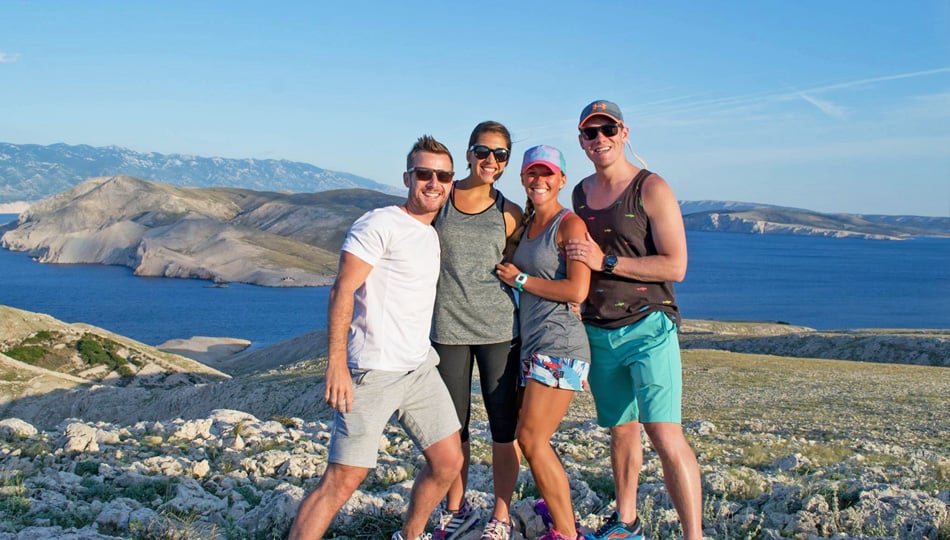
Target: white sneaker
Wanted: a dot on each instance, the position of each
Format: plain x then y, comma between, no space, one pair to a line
398,536
496,529
453,524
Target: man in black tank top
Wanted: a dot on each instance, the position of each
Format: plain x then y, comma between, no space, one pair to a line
636,249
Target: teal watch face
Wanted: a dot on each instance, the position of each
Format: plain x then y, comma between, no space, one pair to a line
610,262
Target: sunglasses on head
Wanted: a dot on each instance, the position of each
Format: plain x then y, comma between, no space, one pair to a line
481,152
425,174
609,130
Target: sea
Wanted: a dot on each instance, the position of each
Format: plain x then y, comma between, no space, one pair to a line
822,283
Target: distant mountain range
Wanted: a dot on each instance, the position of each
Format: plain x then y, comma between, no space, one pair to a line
30,172
753,218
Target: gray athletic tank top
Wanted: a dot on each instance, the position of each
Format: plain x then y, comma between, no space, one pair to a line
472,306
547,327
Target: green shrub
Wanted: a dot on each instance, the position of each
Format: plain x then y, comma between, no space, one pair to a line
39,337
85,468
149,490
28,354
14,507
98,491
95,351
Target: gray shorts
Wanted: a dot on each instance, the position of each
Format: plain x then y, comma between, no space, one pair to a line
418,398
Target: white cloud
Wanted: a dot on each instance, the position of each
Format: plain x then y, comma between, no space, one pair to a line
8,58
745,107
826,107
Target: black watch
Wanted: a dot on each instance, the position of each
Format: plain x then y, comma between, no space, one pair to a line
610,262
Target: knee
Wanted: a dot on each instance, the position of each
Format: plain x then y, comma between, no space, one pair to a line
447,466
530,443
667,440
344,480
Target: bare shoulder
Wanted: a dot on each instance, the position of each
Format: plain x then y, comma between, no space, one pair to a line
655,187
573,226
512,209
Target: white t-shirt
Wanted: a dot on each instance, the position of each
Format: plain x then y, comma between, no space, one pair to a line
392,311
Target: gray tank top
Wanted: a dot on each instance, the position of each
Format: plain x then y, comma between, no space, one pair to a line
548,327
472,306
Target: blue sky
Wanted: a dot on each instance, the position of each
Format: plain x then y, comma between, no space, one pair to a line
830,106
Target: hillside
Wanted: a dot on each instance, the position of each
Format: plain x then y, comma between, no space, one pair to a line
30,172
788,448
221,234
776,220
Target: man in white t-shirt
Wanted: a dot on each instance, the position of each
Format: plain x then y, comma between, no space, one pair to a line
380,361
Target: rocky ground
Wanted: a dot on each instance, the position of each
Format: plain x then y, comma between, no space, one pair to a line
789,448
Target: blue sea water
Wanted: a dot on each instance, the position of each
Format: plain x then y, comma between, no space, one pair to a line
822,283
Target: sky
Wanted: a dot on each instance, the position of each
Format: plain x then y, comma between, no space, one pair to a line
828,106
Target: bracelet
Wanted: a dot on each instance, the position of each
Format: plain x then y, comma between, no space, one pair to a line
520,281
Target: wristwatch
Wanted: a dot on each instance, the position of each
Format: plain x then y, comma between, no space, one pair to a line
610,262
520,280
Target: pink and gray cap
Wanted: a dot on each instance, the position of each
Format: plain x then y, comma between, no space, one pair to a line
545,155
601,107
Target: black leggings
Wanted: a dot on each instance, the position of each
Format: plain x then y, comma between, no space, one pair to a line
498,367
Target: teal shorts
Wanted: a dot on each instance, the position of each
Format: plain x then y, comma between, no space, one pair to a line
636,372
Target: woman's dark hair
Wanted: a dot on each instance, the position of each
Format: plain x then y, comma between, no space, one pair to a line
490,126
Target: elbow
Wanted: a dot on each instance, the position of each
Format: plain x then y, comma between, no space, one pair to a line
579,296
678,273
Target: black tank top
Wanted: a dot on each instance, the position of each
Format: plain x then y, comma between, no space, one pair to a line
623,229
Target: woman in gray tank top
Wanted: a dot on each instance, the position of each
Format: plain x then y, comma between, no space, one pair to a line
474,322
555,355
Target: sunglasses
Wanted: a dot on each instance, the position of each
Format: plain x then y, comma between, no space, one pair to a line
609,130
481,152
425,174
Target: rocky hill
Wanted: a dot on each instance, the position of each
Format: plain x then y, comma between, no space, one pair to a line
30,172
776,220
221,234
788,447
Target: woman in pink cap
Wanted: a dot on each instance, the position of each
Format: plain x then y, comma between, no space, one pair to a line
555,356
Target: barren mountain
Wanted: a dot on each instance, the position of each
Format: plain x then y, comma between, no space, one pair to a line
791,221
222,234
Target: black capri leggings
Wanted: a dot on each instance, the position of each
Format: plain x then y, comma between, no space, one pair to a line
498,367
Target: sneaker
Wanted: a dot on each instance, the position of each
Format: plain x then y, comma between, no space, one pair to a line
554,535
614,528
496,529
453,524
398,536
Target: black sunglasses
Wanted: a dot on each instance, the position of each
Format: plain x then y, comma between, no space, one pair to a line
481,152
424,174
590,133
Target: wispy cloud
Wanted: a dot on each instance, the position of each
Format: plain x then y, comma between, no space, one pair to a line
8,58
863,82
826,107
746,106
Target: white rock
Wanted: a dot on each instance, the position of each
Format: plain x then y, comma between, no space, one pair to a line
14,428
79,437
